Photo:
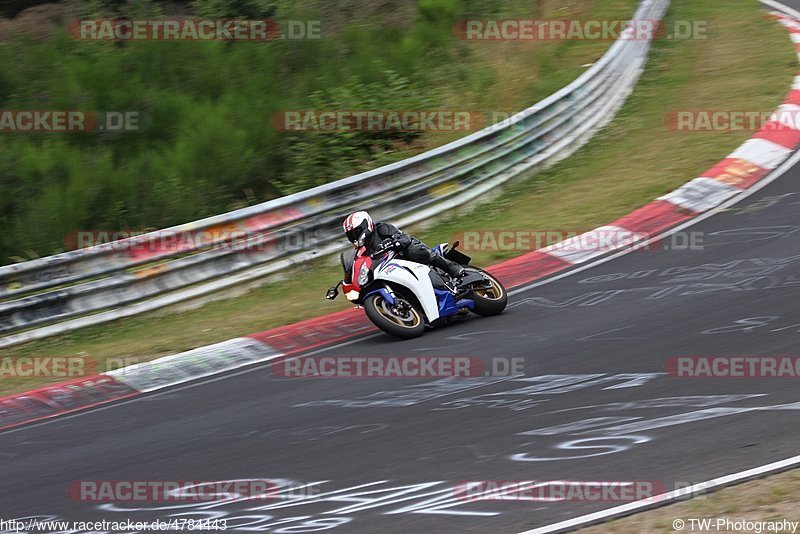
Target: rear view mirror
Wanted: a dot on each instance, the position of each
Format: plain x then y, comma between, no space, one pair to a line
332,293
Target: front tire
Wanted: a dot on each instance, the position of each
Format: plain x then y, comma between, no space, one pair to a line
489,301
405,324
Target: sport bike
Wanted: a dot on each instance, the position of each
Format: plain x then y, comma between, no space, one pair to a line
402,297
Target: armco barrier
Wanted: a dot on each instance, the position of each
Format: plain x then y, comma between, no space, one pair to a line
89,286
744,168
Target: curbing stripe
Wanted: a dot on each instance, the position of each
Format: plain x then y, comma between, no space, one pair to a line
194,364
738,172
654,218
527,268
744,167
62,398
701,194
793,97
717,483
590,245
315,332
775,132
761,152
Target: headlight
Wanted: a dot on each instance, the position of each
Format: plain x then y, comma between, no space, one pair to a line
363,275
352,295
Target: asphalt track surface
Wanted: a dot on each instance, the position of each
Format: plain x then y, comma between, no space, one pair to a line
607,332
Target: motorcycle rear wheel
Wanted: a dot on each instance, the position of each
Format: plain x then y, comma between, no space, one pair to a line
491,300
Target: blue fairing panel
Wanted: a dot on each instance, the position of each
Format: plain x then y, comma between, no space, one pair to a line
384,293
447,303
466,303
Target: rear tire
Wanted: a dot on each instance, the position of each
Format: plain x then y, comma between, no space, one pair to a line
491,301
404,326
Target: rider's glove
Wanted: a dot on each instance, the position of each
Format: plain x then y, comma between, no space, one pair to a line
390,243
401,240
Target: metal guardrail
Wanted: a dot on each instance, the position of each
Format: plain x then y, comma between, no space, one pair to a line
52,295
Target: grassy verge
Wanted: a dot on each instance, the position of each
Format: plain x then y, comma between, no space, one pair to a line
772,498
207,143
746,63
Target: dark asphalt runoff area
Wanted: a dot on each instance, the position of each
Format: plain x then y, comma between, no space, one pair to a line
384,455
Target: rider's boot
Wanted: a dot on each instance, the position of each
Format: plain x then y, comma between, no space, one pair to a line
452,268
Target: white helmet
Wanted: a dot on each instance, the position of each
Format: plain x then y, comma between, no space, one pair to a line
358,227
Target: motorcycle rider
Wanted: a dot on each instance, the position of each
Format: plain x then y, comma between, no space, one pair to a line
362,231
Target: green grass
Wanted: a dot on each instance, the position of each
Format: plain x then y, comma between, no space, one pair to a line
746,63
208,145
751,501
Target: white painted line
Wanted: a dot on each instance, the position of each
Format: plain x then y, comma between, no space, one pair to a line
783,8
761,184
666,498
168,390
780,171
630,508
777,173
788,164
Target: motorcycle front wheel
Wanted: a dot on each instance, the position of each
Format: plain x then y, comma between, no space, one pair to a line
401,320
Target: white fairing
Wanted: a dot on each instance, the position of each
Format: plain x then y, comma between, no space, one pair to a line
421,286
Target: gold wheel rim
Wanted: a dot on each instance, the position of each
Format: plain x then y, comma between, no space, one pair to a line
383,308
495,292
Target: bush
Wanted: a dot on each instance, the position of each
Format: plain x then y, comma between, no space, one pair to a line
208,145
10,8
231,9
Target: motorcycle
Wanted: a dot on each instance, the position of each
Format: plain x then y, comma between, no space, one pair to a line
402,297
